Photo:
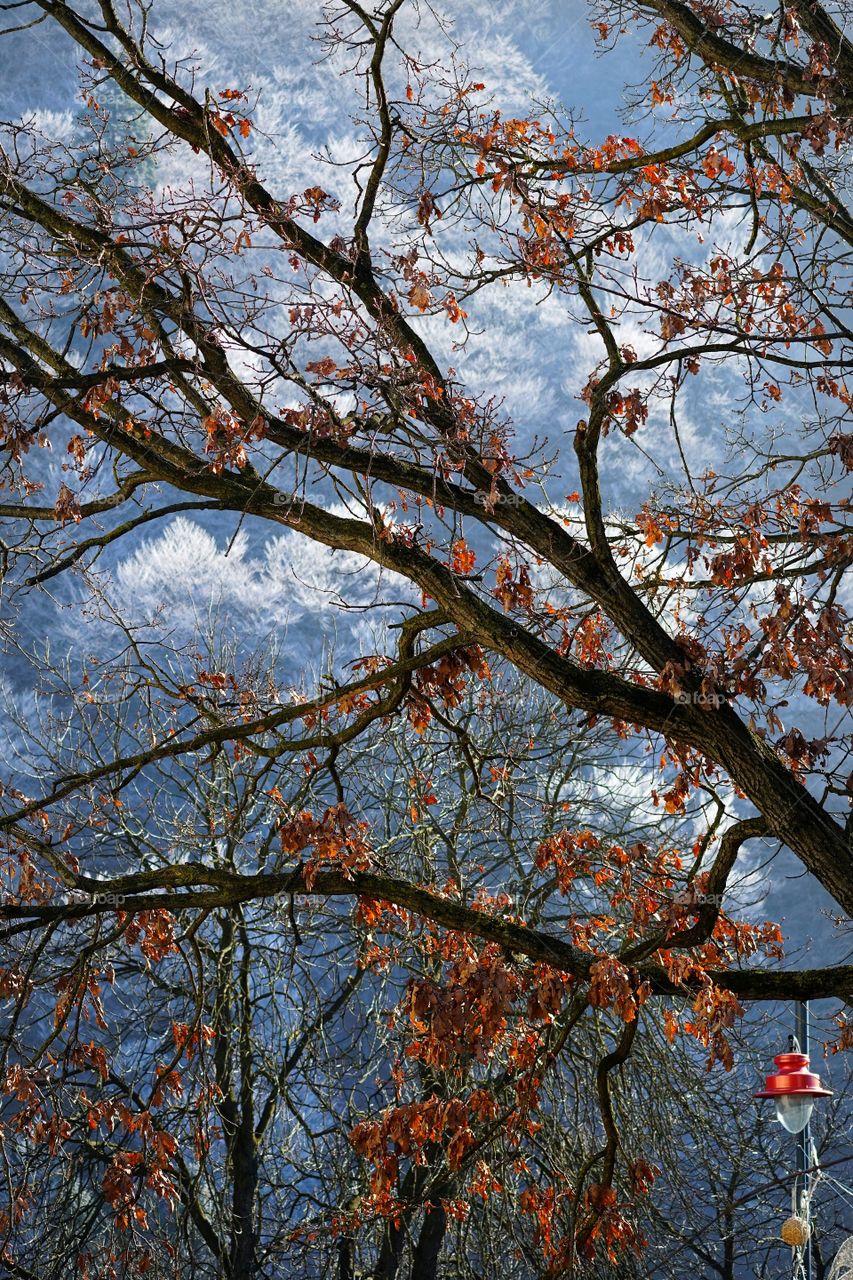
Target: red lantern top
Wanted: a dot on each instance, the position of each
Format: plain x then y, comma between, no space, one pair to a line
793,1077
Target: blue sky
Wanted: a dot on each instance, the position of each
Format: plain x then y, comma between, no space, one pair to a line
530,352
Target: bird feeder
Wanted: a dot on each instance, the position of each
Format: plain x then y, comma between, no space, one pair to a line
794,1089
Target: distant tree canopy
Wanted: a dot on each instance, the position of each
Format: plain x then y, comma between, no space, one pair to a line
375,970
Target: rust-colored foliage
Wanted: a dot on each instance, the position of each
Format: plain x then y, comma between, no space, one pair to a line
179,823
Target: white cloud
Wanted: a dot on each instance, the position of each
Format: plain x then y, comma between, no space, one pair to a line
58,126
177,580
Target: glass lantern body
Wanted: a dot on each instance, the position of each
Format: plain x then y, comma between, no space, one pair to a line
793,1111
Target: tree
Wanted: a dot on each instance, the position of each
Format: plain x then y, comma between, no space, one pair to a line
212,348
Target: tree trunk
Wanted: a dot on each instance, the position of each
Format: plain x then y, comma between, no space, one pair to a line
428,1249
244,1162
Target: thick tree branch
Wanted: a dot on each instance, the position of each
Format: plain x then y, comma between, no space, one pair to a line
143,892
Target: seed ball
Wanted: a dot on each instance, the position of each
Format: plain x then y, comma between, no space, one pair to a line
795,1231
